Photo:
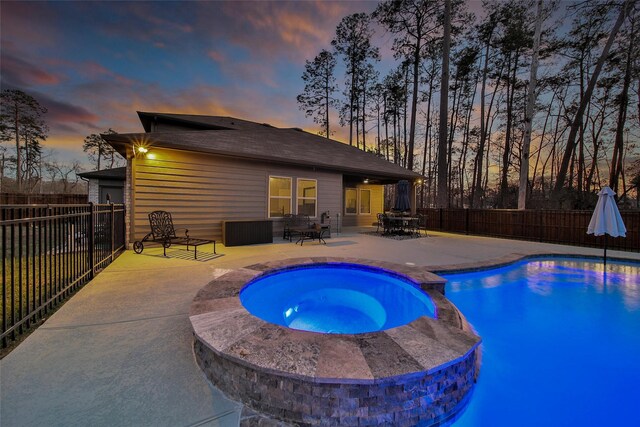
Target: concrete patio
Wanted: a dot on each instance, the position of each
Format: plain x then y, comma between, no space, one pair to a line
119,352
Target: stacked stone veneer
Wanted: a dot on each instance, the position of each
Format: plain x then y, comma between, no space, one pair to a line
417,374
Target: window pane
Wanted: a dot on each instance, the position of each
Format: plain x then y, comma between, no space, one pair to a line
307,207
350,200
306,188
279,207
365,201
279,187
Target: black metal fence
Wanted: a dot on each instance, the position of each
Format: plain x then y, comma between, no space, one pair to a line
49,252
550,226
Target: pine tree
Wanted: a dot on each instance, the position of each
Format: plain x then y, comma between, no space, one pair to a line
319,89
98,149
21,121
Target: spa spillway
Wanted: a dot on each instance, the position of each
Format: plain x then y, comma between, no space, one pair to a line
336,342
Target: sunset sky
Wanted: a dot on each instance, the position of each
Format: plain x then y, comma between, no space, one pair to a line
94,64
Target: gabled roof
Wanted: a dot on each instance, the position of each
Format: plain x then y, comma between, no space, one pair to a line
116,174
254,141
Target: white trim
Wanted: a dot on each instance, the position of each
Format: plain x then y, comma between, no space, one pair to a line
278,197
315,199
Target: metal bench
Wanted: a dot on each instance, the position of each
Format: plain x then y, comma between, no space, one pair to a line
163,232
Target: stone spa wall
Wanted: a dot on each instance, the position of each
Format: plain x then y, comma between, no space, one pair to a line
422,373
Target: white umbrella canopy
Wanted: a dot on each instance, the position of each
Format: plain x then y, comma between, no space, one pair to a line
606,219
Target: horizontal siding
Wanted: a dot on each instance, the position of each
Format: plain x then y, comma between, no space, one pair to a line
201,191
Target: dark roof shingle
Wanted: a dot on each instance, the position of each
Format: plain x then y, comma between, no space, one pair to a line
266,143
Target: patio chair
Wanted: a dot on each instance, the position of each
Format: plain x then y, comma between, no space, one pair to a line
163,232
380,223
388,226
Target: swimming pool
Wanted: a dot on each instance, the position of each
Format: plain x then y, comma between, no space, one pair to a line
336,298
561,343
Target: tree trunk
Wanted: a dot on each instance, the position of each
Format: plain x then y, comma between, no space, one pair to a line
18,154
444,107
506,155
386,126
577,121
406,101
414,101
326,104
528,119
353,79
618,148
476,191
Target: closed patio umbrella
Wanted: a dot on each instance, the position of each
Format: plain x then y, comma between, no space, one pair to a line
402,196
606,219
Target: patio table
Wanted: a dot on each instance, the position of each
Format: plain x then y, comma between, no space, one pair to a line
316,231
401,223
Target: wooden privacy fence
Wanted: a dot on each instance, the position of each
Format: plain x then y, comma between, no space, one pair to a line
550,226
50,251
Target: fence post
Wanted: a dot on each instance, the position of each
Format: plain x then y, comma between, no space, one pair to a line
466,221
91,235
539,212
113,229
440,219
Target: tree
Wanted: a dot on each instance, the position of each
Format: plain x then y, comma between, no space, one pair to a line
413,21
98,149
442,195
319,89
623,102
63,173
528,117
486,32
353,42
576,123
21,121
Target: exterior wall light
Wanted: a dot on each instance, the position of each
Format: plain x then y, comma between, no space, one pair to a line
366,180
143,150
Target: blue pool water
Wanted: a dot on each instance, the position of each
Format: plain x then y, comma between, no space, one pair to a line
336,298
561,343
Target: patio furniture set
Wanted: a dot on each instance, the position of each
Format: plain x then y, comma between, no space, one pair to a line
399,224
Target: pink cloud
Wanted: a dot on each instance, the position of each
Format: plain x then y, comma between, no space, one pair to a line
18,72
216,56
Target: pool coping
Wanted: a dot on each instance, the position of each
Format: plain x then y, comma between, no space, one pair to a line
515,258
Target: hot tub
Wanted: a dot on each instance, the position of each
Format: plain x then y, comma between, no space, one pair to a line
262,336
336,298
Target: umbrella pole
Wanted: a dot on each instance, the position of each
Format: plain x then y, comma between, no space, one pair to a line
605,250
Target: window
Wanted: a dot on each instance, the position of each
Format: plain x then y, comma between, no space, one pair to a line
279,196
307,197
350,201
365,202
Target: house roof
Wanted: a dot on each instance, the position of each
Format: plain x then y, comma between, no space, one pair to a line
198,122
116,174
250,140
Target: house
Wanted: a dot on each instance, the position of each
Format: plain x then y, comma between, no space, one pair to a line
106,185
208,169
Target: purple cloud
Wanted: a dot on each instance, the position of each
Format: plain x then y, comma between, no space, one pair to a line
18,72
